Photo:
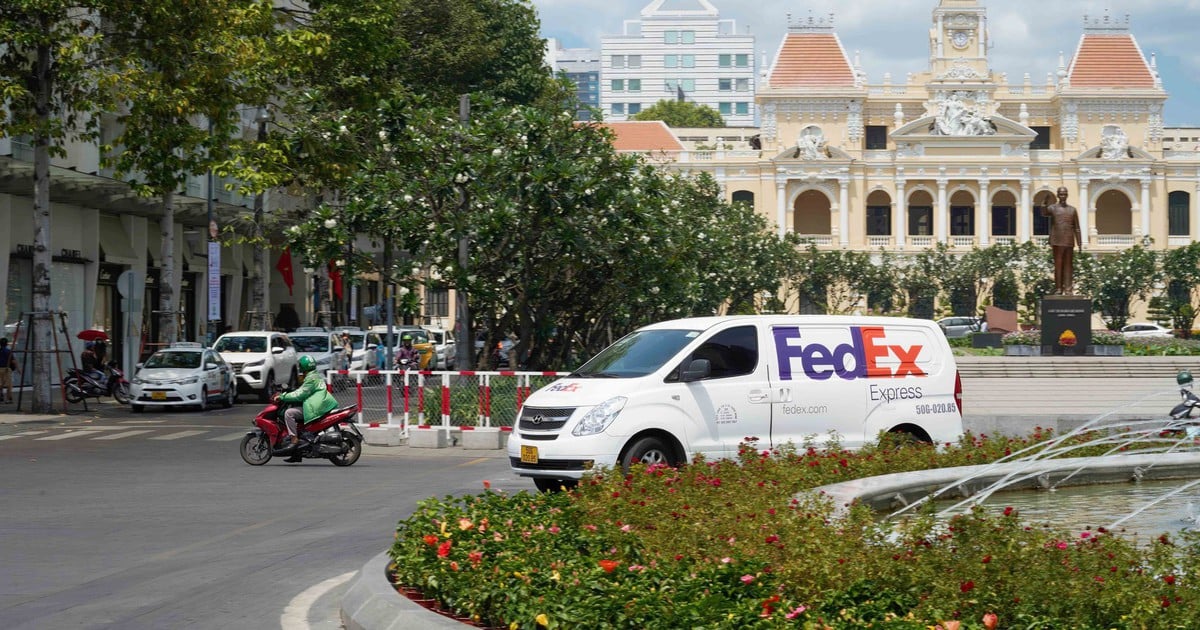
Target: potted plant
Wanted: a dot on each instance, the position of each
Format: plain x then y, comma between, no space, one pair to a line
1108,343
1023,343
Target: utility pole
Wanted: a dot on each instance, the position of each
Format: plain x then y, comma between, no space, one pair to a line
259,315
465,353
214,262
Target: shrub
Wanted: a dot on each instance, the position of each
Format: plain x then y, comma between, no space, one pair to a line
737,544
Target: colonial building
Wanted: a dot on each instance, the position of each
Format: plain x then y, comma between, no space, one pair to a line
958,153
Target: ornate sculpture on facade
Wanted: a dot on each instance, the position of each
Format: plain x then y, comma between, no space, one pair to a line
1114,144
811,145
957,119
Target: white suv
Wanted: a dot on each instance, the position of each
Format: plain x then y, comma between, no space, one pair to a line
260,359
443,347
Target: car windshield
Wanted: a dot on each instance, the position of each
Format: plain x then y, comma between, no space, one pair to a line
173,359
310,343
241,344
636,354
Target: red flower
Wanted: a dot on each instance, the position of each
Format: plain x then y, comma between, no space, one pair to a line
430,539
1008,511
987,559
475,557
990,620
772,538
609,565
444,549
967,586
1169,579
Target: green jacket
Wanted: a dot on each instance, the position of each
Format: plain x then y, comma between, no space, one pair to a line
316,398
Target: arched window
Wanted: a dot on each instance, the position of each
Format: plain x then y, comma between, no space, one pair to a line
920,214
879,214
1004,214
743,196
1178,205
962,214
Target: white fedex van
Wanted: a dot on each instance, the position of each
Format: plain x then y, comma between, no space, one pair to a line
671,390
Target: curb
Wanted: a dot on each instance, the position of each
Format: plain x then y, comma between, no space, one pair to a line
370,603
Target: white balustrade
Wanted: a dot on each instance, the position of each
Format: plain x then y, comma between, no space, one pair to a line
879,241
1114,240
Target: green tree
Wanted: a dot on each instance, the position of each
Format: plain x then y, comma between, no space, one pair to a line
179,64
1114,281
51,95
681,114
1181,271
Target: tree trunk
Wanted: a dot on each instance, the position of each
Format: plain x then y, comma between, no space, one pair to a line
43,322
167,316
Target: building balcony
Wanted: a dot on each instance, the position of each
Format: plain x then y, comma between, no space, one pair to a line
921,242
1179,241
961,241
820,240
1113,240
879,241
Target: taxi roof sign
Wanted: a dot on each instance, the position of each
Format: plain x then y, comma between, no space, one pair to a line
187,344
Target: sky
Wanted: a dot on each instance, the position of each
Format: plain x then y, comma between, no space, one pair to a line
892,35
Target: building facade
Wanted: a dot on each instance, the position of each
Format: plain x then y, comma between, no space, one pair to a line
684,52
959,154
582,67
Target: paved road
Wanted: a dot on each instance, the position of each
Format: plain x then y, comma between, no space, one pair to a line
119,520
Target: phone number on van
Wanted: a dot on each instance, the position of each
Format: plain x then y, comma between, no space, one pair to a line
931,408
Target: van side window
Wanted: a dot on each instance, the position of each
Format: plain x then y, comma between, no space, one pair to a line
732,352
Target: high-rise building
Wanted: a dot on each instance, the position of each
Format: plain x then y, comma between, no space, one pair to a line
582,66
679,50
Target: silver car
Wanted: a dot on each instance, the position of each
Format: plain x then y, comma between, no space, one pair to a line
959,326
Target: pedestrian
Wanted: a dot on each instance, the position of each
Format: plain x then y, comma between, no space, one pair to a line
8,365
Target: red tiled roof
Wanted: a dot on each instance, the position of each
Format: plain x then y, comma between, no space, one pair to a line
1110,61
811,60
649,135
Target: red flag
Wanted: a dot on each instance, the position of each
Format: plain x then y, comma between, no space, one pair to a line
335,278
284,265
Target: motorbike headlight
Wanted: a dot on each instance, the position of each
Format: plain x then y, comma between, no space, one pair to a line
258,363
600,416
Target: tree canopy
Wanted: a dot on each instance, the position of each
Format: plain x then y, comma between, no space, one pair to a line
681,114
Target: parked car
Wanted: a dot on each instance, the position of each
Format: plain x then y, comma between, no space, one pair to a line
260,358
184,374
1146,329
367,348
444,349
960,326
317,343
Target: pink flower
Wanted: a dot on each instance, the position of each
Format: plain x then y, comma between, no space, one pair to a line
746,579
1061,544
726,560
1086,535
487,485
796,612
554,529
990,620
627,528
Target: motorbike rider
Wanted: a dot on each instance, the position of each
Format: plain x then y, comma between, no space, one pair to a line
315,402
90,363
408,353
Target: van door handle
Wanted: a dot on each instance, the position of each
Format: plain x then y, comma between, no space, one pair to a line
758,396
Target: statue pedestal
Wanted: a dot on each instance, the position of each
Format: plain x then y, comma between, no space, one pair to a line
1066,325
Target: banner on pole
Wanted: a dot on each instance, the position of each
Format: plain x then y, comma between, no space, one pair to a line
214,280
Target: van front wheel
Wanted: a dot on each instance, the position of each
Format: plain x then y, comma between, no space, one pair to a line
649,450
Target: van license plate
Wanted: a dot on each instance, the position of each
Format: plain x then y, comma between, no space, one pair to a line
158,395
529,455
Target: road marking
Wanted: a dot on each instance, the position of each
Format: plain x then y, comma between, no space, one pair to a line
117,436
143,421
474,461
176,436
29,433
295,615
9,437
64,436
228,438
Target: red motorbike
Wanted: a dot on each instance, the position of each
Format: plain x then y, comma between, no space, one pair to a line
332,436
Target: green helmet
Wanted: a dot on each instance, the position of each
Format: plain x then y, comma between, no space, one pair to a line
406,338
1184,378
307,364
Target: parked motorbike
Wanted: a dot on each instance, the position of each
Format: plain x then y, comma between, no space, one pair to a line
332,436
79,384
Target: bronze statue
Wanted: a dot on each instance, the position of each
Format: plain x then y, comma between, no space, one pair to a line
1064,236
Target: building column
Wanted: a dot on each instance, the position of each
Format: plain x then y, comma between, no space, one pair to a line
781,208
1025,218
1195,222
844,210
1085,212
1145,209
983,213
900,214
941,214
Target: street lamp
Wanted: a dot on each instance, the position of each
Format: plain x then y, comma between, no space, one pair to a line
465,351
214,262
259,313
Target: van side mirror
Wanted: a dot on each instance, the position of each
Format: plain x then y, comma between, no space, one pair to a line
696,370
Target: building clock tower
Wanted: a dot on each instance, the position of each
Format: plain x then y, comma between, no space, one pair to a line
959,42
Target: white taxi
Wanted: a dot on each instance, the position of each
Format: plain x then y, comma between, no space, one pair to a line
184,374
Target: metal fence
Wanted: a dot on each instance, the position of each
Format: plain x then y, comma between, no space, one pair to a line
428,398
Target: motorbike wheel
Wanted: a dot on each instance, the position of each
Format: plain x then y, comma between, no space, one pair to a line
255,449
353,452
73,393
121,393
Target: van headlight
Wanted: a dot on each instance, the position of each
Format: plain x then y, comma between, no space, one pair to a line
602,415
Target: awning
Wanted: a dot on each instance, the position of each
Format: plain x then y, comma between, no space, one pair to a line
114,241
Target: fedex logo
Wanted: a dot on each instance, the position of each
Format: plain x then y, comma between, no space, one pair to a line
858,359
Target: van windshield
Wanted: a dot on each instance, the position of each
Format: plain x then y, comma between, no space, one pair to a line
636,354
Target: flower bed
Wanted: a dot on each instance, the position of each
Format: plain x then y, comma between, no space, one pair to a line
729,545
